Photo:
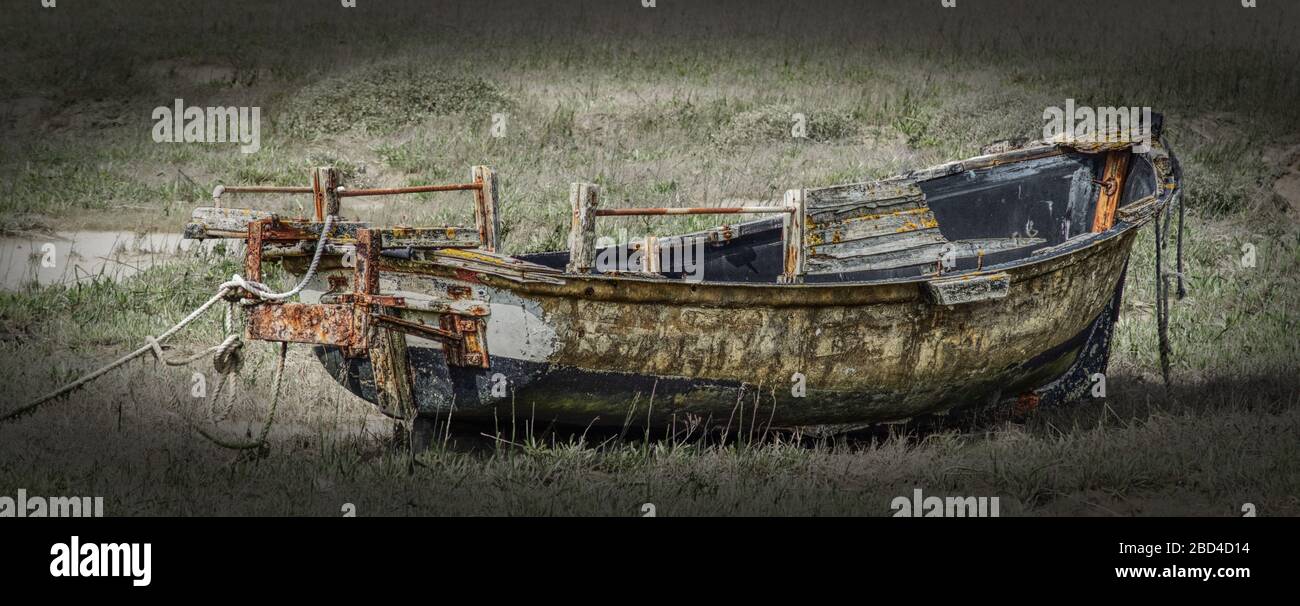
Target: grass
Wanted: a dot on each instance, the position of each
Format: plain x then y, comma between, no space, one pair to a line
1222,437
668,107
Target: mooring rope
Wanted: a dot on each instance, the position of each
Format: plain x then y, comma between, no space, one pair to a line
227,362
1162,305
148,347
225,352
270,417
1182,289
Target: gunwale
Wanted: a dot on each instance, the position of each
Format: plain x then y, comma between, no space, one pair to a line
631,288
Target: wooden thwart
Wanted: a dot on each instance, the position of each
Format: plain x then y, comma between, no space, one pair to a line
871,226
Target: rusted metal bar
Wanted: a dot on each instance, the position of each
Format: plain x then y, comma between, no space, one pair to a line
253,255
344,192
367,257
386,349
222,190
471,348
730,210
462,337
364,299
416,329
464,307
262,189
415,189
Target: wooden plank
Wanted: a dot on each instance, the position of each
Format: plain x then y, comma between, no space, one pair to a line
429,237
584,199
1112,188
870,226
1073,240
924,255
880,245
487,206
987,246
493,264
324,186
927,254
831,214
214,222
871,194
391,371
1139,209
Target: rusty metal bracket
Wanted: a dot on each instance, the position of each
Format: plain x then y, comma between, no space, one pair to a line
348,319
362,322
470,347
462,338
303,323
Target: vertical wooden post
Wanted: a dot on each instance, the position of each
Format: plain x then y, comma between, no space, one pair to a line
486,202
386,349
1112,189
391,370
324,186
651,264
793,237
584,197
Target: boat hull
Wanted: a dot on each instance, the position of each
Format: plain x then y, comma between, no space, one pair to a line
616,351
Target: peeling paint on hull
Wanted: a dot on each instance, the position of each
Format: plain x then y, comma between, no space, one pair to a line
886,354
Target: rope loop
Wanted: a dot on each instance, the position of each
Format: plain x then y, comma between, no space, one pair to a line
228,358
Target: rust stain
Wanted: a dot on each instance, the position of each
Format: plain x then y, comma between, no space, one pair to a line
1026,403
338,283
303,323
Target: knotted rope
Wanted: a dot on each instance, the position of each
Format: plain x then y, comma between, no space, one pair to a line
226,355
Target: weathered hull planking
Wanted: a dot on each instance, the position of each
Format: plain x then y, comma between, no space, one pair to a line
867,352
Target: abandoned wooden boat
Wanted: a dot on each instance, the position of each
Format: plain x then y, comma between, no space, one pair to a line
995,279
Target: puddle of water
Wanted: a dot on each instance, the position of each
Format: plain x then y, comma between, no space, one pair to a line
69,257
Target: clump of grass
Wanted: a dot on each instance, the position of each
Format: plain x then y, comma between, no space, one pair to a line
382,100
779,122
